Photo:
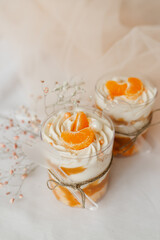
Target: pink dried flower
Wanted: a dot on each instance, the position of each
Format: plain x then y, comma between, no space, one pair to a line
24,132
7,127
24,175
7,193
20,196
14,153
12,200
46,90
16,137
22,121
2,145
6,182
15,146
11,124
11,171
32,136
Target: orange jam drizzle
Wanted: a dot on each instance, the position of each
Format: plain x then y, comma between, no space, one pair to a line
70,171
62,192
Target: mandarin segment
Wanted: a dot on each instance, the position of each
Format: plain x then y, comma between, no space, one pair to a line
132,89
78,140
80,122
115,89
135,89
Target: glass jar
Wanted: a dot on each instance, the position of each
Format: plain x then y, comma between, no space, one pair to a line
87,169
129,117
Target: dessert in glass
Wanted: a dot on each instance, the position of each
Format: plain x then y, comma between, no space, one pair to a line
129,103
83,138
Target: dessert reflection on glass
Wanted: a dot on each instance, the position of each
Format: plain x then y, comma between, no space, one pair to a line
83,138
129,102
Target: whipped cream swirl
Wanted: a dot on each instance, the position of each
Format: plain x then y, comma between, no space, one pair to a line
128,115
58,123
146,96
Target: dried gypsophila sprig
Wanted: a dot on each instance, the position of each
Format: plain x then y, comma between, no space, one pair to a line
15,166
66,93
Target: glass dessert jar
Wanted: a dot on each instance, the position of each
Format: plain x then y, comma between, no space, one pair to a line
129,103
82,138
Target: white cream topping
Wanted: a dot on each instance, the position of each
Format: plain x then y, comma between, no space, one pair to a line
59,123
123,108
145,97
94,158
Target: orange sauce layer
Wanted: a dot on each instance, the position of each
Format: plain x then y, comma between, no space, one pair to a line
71,200
119,149
70,171
62,192
119,142
90,190
94,187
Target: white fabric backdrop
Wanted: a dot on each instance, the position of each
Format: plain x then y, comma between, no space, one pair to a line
37,42
56,40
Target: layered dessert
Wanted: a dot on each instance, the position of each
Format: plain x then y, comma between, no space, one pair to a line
129,102
83,138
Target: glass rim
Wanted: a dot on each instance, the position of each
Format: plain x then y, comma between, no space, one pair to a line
123,101
94,110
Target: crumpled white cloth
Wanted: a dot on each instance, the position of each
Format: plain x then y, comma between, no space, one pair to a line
30,52
130,209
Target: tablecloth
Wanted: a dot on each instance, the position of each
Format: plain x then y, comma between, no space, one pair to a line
130,209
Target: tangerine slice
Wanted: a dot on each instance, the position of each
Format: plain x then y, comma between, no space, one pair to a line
78,140
80,122
135,89
115,89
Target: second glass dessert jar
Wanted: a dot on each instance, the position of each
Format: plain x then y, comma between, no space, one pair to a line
82,140
129,103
